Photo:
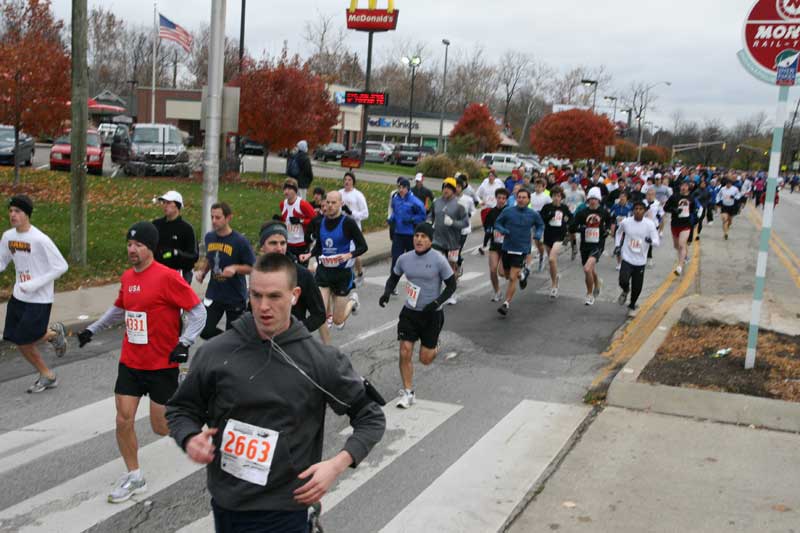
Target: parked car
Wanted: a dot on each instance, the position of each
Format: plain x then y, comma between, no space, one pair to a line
405,154
329,152
427,150
151,149
27,147
250,147
506,162
106,130
61,150
377,152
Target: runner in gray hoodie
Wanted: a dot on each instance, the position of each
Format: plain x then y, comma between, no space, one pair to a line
448,218
262,389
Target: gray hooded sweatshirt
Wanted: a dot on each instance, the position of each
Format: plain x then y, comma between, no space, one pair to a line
238,376
448,237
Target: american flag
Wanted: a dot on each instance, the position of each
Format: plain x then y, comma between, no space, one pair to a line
171,31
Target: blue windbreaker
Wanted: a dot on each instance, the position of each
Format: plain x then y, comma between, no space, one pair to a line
516,224
406,213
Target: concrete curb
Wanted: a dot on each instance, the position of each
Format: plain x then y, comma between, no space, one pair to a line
626,391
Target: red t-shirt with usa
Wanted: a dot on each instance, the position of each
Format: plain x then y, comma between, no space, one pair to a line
152,300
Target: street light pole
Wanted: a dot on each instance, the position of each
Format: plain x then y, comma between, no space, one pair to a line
640,117
592,83
412,62
440,144
614,99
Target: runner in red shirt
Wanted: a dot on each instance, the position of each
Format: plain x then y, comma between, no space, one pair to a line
297,214
151,297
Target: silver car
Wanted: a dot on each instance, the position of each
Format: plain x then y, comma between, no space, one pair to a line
27,147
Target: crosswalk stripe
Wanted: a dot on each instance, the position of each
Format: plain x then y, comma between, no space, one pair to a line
27,444
414,424
81,502
480,490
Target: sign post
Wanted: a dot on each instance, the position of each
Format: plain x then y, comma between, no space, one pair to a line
770,32
370,20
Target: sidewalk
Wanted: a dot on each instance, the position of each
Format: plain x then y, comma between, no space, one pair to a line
636,470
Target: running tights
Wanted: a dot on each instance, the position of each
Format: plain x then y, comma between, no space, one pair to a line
631,279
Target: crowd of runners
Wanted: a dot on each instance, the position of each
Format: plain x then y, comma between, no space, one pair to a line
251,404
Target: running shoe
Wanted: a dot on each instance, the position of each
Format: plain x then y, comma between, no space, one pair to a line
686,261
651,263
554,293
42,384
59,342
452,300
697,237
460,270
632,312
623,297
711,223
498,296
480,250
360,279
726,236
503,309
598,287
678,270
406,400
523,277
589,300
126,487
356,303
329,321
395,292
618,268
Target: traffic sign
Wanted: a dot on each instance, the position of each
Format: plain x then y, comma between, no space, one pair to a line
365,98
771,38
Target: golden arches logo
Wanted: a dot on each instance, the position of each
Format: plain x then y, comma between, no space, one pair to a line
373,5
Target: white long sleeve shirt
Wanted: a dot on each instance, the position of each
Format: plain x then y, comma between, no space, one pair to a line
357,203
635,246
728,195
37,261
469,207
486,192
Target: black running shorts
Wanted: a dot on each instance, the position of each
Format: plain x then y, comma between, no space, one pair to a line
419,326
512,261
591,250
338,280
26,322
160,385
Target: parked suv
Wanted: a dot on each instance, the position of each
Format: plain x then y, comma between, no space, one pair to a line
406,154
505,162
151,149
377,152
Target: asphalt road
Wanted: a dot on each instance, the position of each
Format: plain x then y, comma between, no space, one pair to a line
547,351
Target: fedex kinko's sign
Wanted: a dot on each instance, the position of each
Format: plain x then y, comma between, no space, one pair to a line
372,19
772,41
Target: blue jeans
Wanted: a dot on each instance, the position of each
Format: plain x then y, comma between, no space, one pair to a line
259,521
400,245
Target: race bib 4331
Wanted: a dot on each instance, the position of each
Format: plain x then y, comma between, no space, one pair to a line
136,326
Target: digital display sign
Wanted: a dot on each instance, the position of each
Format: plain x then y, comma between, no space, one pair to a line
364,98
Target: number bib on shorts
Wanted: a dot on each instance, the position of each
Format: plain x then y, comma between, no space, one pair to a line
556,221
452,256
330,261
247,451
498,237
593,235
412,294
635,245
136,326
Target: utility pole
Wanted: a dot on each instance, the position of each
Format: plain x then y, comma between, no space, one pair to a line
365,108
440,144
216,47
241,60
80,111
175,70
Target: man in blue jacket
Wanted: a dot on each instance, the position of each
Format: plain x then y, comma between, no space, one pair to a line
515,225
407,212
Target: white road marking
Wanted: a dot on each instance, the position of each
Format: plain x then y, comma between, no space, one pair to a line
27,444
415,424
81,502
480,490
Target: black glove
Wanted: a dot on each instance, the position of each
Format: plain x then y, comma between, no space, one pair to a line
384,299
180,354
347,210
431,307
648,240
294,220
84,337
277,218
618,250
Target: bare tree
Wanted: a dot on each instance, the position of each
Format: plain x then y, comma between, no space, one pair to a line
639,98
511,71
565,89
326,39
197,61
533,95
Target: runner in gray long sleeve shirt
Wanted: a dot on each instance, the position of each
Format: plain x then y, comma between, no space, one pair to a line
448,218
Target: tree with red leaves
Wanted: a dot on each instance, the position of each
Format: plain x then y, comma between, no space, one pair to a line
283,103
476,131
573,134
34,70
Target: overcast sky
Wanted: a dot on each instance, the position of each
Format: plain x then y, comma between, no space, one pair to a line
692,43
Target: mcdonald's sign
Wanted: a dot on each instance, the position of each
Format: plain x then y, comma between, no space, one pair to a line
372,18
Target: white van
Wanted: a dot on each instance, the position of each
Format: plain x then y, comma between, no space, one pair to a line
505,163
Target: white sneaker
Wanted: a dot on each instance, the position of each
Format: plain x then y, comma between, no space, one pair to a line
452,300
360,279
356,303
329,321
651,263
618,268
589,300
554,293
623,298
711,223
406,399
678,270
632,312
498,296
126,487
686,261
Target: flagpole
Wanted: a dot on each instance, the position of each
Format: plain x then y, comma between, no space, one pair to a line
155,52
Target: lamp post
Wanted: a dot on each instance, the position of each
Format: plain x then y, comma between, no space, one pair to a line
629,111
440,144
640,117
412,62
612,99
591,83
